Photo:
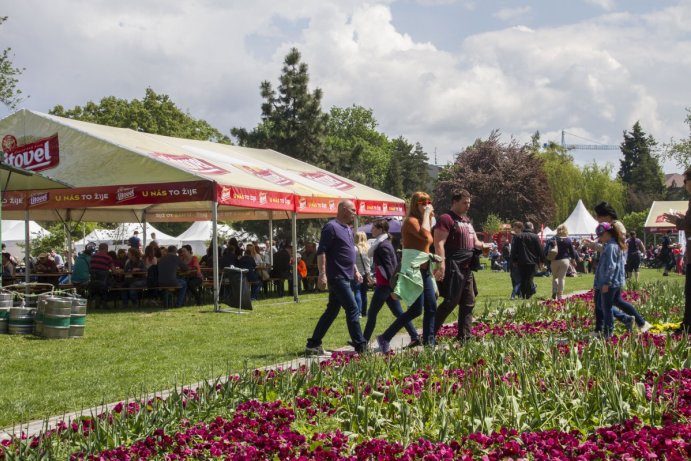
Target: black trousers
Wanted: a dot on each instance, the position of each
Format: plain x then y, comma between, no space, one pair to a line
527,274
465,300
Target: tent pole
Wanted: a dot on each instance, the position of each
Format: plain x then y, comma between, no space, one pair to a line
144,229
27,248
68,227
294,237
271,238
214,251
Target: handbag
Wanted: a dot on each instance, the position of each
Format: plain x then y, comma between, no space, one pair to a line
552,253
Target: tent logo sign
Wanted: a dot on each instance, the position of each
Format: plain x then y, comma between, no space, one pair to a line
269,175
329,180
125,193
37,199
188,163
38,155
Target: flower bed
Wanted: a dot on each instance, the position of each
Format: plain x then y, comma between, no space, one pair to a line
532,387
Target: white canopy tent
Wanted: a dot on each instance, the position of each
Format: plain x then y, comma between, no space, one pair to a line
580,222
122,175
117,238
547,232
655,222
200,234
14,233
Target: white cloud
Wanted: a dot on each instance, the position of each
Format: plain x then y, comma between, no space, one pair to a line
512,14
606,5
594,78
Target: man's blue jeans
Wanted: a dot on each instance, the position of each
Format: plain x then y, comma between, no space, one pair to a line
381,295
182,291
428,299
340,295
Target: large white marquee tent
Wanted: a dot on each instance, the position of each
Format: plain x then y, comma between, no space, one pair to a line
122,175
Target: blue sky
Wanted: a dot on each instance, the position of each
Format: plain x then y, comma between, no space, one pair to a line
438,72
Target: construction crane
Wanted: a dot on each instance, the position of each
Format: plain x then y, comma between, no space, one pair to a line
585,146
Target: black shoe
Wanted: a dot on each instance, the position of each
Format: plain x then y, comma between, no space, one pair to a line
414,343
682,330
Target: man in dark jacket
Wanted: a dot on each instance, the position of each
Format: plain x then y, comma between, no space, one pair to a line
168,267
526,254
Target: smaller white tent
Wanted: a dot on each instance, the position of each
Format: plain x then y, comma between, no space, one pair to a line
581,223
13,233
198,236
547,232
117,238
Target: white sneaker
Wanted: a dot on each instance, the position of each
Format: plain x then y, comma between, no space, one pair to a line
646,326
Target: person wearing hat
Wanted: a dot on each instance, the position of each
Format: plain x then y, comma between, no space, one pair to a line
683,222
623,310
609,278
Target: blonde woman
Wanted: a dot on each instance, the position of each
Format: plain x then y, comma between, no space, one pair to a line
560,264
362,263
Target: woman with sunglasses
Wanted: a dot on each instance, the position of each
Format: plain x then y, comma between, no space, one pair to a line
415,285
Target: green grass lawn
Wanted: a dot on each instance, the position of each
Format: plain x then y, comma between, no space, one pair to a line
125,353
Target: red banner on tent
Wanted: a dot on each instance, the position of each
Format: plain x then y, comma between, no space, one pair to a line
377,208
316,205
83,197
254,198
14,201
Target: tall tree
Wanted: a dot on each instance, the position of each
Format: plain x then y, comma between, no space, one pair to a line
358,150
679,151
292,119
393,183
639,170
568,182
505,179
413,165
156,114
10,94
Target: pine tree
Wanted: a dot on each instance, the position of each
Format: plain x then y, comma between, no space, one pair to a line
639,170
292,120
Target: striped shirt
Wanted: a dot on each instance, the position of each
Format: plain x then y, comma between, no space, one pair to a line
101,262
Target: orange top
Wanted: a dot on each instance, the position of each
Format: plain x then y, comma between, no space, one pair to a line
302,268
414,237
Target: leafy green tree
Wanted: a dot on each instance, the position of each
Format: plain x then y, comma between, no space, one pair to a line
492,224
292,119
597,185
635,222
358,150
156,114
564,178
413,165
505,179
639,170
393,183
10,94
679,151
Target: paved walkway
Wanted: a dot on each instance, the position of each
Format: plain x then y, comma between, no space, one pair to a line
38,426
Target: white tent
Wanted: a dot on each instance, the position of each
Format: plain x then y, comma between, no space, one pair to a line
580,222
117,238
547,232
198,235
13,233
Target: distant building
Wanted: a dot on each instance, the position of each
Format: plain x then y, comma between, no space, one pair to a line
674,180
